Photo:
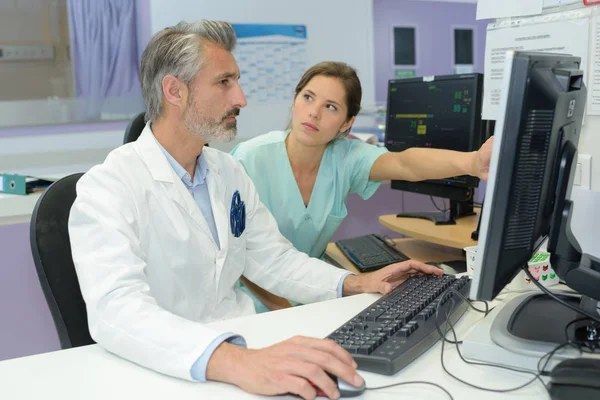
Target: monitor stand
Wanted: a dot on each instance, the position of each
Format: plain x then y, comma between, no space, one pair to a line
524,330
458,209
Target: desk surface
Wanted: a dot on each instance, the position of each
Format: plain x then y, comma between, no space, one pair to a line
93,374
16,209
415,249
457,236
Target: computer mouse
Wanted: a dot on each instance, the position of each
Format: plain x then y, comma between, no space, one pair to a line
346,389
577,378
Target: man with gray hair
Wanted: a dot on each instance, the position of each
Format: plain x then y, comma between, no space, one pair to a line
163,229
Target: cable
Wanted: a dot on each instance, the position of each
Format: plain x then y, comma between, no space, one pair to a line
473,362
437,310
542,370
436,206
450,291
555,297
593,345
413,383
537,376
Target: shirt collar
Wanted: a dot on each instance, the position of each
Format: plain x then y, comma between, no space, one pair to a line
199,174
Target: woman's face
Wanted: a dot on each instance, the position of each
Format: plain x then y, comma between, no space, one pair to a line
319,111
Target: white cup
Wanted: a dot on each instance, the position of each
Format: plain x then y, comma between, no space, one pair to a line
540,269
471,252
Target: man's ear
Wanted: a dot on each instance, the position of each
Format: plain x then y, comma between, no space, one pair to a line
175,91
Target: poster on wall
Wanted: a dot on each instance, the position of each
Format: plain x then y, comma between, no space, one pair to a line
556,33
487,9
272,59
593,80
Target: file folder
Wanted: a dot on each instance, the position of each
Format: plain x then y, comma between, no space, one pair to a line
21,184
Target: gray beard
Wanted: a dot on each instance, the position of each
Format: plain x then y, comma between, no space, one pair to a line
209,130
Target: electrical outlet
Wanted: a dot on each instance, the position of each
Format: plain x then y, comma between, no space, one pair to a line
26,53
583,171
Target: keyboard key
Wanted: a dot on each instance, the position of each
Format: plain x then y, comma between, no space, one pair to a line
352,349
412,326
404,332
389,330
422,316
361,326
386,317
374,315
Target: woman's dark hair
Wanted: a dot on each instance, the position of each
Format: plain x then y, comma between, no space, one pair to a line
347,76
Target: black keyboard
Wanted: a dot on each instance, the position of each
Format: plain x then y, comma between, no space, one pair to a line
370,252
400,326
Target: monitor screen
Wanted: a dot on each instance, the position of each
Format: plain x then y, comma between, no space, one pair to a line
531,169
439,112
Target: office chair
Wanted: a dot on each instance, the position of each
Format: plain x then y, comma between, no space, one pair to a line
51,249
134,128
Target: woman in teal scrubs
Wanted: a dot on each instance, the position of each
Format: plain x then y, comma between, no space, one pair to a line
304,174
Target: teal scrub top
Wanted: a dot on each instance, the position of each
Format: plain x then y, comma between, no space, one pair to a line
344,169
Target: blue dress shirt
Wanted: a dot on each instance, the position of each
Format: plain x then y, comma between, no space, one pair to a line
199,191
197,188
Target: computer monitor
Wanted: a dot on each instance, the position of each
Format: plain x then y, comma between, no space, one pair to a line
442,112
528,191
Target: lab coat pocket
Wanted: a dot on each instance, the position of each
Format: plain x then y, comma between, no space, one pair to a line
236,258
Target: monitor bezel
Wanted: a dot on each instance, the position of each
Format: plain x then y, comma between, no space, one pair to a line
512,102
458,187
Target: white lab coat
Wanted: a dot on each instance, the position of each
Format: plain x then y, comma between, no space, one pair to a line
149,269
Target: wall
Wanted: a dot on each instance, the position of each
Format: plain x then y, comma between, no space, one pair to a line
26,323
586,203
48,98
336,30
434,22
35,22
26,326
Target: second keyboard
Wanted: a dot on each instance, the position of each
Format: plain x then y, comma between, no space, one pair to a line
370,252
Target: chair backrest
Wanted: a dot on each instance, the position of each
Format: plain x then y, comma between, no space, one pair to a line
135,128
51,248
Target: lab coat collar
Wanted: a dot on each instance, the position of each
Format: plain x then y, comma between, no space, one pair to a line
200,172
160,169
153,157
157,163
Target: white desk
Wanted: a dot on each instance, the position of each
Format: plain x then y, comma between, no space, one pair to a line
15,209
91,373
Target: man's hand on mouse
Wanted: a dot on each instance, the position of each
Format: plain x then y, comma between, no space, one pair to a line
286,367
386,279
